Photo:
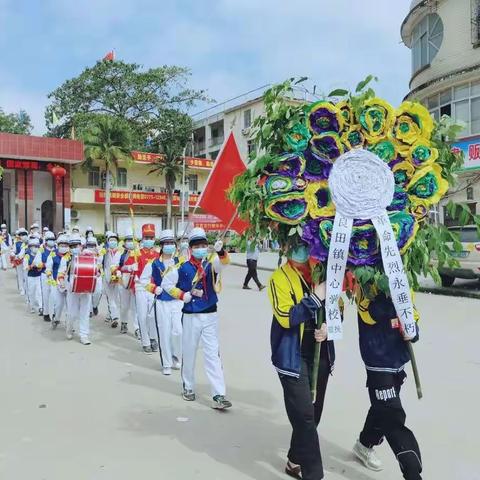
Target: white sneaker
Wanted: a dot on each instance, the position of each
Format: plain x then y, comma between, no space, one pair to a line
176,365
367,456
85,341
69,334
167,371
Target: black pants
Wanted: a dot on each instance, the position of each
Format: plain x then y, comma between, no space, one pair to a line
252,273
386,418
305,416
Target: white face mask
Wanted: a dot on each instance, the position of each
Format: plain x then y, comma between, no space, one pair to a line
62,250
75,250
50,243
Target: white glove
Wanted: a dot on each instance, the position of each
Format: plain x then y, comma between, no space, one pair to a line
158,291
218,245
187,298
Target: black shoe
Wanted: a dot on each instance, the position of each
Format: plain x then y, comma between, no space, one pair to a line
147,350
47,318
294,471
188,395
54,323
246,287
115,323
153,345
261,287
123,328
221,403
95,311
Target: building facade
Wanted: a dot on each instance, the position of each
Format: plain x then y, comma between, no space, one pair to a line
444,37
134,185
29,191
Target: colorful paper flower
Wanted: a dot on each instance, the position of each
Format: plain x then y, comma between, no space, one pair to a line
403,172
346,111
316,167
427,185
324,117
405,228
327,145
413,121
364,244
279,184
354,137
290,208
289,164
376,118
400,200
319,200
317,234
422,154
419,211
297,139
385,149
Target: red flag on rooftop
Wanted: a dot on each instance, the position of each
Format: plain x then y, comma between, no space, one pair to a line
214,199
109,57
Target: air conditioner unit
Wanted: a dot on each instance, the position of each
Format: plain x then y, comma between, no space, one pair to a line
149,189
74,214
137,186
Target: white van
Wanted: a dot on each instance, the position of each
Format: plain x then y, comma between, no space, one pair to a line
468,257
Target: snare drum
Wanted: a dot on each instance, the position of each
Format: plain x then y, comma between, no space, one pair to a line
84,273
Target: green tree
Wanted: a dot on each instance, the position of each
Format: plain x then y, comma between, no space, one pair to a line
15,122
171,134
122,90
107,141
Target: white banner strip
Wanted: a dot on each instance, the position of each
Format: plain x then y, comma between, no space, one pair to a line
336,266
397,278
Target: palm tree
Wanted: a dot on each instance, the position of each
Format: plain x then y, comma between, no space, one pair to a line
171,136
108,141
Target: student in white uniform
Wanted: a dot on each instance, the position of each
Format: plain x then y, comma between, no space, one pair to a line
17,259
5,247
44,253
111,276
33,273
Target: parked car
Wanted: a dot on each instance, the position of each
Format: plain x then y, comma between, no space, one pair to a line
468,257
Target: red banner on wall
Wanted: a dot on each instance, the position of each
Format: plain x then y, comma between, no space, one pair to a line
192,162
141,198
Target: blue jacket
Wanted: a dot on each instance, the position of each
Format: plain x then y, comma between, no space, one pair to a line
158,272
293,305
382,346
56,260
34,272
18,247
45,254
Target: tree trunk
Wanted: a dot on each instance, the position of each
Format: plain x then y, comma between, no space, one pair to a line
169,208
107,198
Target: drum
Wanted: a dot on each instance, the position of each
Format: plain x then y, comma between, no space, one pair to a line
84,274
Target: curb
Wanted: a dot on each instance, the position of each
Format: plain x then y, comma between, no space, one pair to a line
446,291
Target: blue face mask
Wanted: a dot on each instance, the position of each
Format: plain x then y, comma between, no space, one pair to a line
50,243
112,244
129,245
169,249
199,253
75,250
148,243
300,254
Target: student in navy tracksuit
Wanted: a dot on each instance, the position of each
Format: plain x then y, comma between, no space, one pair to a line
195,284
385,354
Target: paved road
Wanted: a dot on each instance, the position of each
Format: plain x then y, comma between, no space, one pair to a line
105,412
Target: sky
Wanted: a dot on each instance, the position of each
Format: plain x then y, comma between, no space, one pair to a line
230,46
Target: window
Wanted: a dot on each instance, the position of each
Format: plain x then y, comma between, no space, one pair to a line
469,193
213,155
476,22
121,177
94,177
427,38
251,147
462,103
247,118
193,183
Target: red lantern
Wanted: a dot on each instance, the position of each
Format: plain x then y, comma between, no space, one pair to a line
58,172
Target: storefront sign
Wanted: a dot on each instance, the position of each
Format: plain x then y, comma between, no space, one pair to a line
26,165
141,198
192,162
471,151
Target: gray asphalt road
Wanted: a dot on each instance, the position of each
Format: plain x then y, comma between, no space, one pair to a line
106,412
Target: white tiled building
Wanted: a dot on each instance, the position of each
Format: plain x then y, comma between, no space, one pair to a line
444,36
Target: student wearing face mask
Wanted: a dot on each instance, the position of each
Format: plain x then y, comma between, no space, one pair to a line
78,304
196,283
17,260
34,272
183,249
295,303
46,250
5,246
128,266
143,298
111,275
58,294
168,310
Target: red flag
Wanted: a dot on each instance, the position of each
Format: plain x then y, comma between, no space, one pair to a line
109,57
214,196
